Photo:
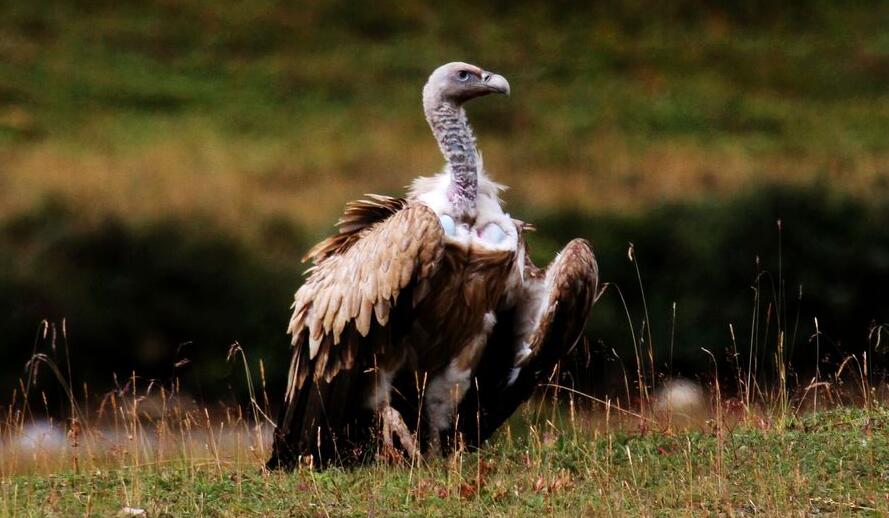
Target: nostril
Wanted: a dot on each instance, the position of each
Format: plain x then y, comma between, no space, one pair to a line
486,76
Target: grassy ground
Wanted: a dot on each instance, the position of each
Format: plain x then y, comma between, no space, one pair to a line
834,461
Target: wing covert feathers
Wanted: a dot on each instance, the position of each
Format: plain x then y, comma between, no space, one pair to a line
384,246
358,216
571,279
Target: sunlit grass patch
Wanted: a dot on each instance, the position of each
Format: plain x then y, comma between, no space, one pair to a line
686,449
830,461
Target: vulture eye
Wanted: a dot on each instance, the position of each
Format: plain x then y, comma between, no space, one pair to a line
463,75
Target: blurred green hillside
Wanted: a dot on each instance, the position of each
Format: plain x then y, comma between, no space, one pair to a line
163,164
172,107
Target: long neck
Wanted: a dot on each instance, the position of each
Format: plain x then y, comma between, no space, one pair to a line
457,144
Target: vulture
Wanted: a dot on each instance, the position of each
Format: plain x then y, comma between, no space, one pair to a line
423,324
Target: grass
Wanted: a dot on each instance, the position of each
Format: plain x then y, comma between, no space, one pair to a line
792,449
145,448
830,461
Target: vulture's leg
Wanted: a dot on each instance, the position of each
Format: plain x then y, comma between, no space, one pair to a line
393,423
547,322
447,389
390,418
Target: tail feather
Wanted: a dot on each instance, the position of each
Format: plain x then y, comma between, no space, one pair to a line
325,423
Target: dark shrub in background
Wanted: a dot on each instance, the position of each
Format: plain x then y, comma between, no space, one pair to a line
142,298
829,259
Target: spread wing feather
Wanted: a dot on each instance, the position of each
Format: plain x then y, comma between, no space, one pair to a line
559,299
385,245
571,288
358,215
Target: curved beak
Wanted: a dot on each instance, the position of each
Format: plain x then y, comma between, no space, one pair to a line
495,83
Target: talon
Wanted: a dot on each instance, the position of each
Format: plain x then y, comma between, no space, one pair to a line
393,423
389,455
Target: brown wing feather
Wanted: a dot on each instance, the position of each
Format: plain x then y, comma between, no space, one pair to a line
347,290
358,216
572,278
564,294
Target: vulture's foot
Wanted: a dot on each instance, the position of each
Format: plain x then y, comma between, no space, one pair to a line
393,424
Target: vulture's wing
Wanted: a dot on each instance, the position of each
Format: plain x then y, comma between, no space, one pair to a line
358,216
544,325
375,269
357,280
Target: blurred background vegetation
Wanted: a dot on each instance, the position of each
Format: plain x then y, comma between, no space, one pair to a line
164,164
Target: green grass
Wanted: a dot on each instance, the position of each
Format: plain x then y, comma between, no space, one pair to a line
831,461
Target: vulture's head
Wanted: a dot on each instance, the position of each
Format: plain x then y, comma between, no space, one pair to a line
459,82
